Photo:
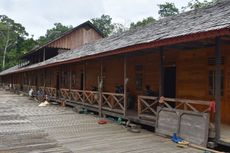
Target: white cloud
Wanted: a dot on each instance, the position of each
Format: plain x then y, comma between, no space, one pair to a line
39,15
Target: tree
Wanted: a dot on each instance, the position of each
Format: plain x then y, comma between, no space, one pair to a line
104,24
168,9
53,33
196,4
142,23
10,32
118,28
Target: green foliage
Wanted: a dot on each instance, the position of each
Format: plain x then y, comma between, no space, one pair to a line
53,33
12,37
196,4
168,9
142,23
118,28
25,45
104,24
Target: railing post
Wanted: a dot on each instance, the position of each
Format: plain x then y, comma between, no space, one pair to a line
218,87
139,106
125,87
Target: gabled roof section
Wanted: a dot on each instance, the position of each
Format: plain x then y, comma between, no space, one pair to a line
87,23
193,25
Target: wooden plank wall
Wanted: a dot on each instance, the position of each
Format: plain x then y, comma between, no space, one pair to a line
76,38
192,77
226,98
113,73
90,35
76,72
92,70
150,64
192,74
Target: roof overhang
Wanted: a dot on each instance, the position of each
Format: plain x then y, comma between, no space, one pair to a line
133,48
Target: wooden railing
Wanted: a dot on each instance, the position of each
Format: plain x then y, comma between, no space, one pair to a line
65,94
42,88
91,97
114,101
15,87
51,92
186,104
26,88
147,106
77,95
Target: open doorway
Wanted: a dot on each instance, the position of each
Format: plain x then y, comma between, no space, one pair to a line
170,82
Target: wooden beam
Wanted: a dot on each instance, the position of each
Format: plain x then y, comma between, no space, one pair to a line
125,86
84,80
161,68
218,87
100,88
44,54
70,78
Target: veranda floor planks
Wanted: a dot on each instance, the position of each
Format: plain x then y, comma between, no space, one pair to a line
225,133
25,127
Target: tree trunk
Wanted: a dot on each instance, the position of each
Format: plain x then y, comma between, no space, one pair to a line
5,50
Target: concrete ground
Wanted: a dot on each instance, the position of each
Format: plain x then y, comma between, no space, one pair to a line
27,128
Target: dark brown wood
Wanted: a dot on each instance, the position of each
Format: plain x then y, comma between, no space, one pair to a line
125,86
161,78
84,79
100,89
44,54
218,87
70,79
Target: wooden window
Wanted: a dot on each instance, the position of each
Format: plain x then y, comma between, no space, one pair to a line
139,77
211,83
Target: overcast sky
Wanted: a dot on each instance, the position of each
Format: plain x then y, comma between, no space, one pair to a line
39,15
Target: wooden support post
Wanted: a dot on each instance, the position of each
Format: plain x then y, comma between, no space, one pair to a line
125,87
84,80
70,79
44,54
218,87
100,89
161,68
59,81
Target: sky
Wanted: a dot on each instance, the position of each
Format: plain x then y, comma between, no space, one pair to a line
39,15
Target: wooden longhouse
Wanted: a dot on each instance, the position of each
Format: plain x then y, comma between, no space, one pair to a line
184,58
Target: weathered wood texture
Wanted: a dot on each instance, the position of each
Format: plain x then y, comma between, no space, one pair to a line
113,73
192,77
26,128
92,74
150,65
192,72
76,38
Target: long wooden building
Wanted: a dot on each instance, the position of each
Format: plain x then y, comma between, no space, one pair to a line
184,58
